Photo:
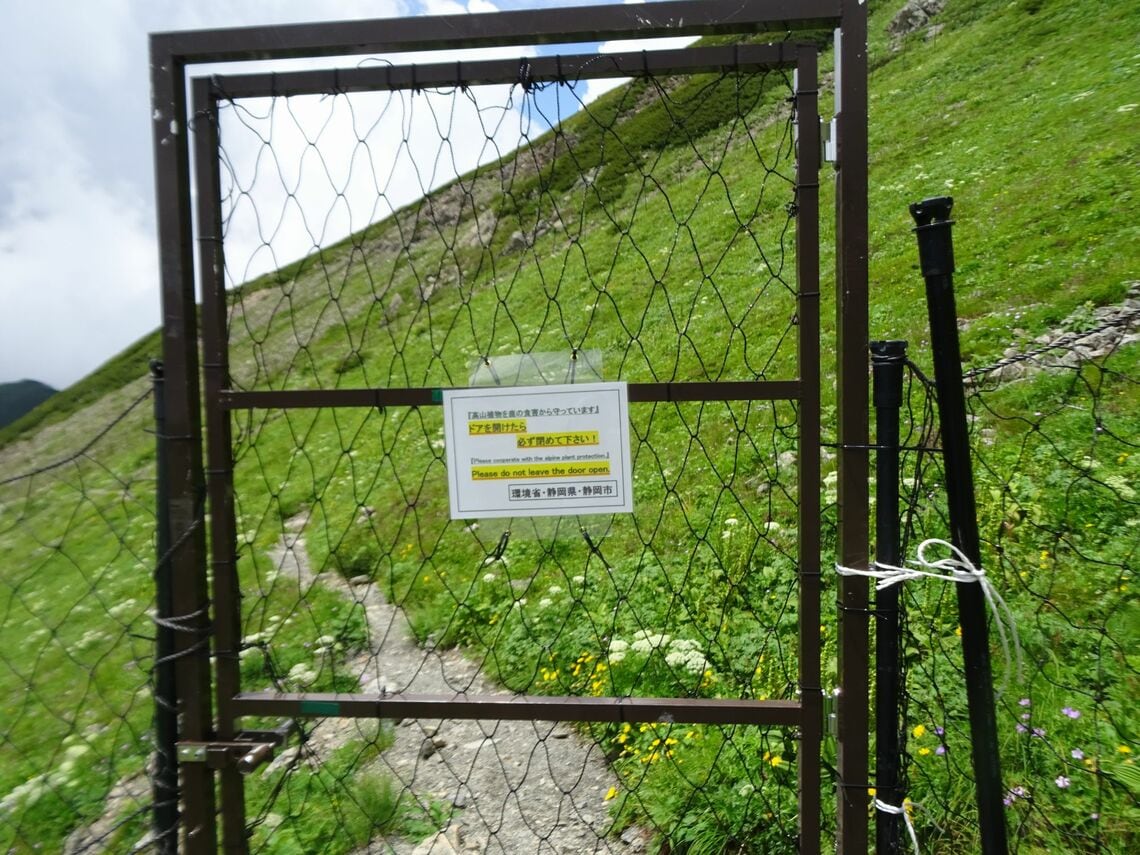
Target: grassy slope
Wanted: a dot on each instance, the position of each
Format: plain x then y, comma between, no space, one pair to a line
1009,109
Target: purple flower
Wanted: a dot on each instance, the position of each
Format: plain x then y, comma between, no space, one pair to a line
1077,754
1024,702
1061,781
1071,713
1039,732
941,731
1021,728
1025,716
1094,816
940,750
1014,794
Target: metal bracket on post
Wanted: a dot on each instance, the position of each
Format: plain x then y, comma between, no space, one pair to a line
248,751
831,130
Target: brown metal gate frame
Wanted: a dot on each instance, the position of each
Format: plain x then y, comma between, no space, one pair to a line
218,734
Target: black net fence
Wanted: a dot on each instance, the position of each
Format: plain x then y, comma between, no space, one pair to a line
1055,428
521,234
77,700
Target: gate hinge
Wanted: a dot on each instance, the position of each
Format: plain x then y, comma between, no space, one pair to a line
829,139
831,714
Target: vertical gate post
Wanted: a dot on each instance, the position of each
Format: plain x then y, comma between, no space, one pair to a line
887,361
219,453
187,553
165,781
807,461
852,400
936,256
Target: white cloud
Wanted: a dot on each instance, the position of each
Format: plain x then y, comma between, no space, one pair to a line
77,261
78,257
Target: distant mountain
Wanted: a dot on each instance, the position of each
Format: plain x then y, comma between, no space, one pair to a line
21,397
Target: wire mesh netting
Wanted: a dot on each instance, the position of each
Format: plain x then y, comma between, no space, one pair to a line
491,235
1054,436
76,637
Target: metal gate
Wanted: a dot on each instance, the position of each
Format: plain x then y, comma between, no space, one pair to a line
321,389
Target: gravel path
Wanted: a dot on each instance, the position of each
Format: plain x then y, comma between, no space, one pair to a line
521,786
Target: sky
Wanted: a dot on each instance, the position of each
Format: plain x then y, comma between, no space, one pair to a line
78,247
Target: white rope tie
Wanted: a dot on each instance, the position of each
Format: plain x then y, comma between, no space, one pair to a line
955,567
900,810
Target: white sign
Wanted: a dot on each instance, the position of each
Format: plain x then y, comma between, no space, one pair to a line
525,451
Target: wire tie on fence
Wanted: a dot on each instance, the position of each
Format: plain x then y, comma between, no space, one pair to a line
901,810
955,567
179,623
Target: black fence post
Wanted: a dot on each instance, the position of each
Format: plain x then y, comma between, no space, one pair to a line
887,361
165,782
936,256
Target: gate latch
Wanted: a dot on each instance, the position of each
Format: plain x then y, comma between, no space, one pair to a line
248,751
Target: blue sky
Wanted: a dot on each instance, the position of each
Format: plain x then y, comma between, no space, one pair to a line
78,253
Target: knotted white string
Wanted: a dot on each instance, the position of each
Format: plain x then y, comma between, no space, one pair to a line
900,810
955,567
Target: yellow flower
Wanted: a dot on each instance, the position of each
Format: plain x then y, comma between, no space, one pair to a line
871,791
610,793
922,752
776,761
1123,749
919,731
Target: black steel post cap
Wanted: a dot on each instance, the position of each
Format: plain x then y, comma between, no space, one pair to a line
888,351
935,244
932,211
887,361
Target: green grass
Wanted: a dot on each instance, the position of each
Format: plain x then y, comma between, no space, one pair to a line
675,263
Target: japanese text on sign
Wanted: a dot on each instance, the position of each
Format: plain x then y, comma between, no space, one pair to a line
538,450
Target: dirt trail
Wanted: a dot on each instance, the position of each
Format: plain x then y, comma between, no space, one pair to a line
523,786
